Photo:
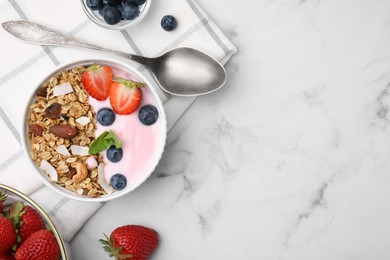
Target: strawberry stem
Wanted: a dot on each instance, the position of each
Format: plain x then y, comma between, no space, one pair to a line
108,246
129,83
94,67
16,212
3,196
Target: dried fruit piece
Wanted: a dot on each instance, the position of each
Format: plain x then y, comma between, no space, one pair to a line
53,111
64,131
79,150
61,149
36,129
49,170
62,89
42,92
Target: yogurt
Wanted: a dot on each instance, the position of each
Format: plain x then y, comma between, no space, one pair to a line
139,141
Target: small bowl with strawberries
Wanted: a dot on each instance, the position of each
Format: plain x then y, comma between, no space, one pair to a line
26,230
94,129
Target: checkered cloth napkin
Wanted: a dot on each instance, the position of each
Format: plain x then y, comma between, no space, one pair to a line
22,67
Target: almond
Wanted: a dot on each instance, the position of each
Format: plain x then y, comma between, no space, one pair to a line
64,131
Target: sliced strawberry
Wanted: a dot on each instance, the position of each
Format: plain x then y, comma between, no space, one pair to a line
97,81
125,96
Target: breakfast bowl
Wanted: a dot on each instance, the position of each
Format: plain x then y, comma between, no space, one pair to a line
13,197
116,14
94,130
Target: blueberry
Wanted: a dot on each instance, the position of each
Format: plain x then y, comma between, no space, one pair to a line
119,7
103,8
114,154
148,115
106,116
112,15
168,23
113,2
139,2
136,2
118,181
129,11
94,4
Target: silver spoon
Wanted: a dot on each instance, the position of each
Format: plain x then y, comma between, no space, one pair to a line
182,71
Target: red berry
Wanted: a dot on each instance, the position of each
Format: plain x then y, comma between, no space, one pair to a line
25,219
125,96
7,235
97,81
7,256
39,245
131,242
31,222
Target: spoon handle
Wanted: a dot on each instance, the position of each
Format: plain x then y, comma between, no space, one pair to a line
35,33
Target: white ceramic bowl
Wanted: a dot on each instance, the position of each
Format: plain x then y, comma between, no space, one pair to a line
95,17
14,195
155,157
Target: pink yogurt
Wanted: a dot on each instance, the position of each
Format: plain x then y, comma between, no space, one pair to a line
139,141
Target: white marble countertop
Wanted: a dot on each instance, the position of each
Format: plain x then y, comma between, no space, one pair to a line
291,159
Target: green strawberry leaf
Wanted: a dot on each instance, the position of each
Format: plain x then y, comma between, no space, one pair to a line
108,246
15,213
3,196
104,142
129,83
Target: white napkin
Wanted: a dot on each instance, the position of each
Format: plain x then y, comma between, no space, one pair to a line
22,66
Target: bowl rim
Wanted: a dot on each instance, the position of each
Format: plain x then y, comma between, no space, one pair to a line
48,219
84,62
91,15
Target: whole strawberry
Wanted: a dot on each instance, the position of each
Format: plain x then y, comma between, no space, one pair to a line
38,246
26,220
7,235
8,256
131,242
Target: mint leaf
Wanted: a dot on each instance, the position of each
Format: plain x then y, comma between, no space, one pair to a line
99,144
111,136
103,142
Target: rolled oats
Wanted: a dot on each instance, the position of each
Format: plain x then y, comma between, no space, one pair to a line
73,106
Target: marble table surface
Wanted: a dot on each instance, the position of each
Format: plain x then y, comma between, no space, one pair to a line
291,159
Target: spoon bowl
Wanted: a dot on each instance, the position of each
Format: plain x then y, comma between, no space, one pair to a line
185,71
182,71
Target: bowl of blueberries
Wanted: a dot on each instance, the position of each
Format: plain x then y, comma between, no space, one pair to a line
116,14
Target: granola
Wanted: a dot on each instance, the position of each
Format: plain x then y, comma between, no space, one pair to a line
44,143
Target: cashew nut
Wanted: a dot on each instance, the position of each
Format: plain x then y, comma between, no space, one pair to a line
81,172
